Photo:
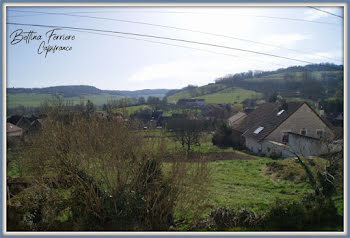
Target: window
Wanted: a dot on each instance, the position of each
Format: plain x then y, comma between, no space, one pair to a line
319,133
257,131
280,112
303,132
285,137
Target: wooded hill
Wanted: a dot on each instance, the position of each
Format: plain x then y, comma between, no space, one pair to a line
311,82
83,90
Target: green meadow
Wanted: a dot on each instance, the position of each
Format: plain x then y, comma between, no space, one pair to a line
230,95
35,100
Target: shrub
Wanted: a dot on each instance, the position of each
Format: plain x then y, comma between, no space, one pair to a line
225,137
105,175
275,155
312,212
227,218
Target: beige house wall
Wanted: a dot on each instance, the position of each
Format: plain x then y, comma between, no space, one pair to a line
15,133
304,117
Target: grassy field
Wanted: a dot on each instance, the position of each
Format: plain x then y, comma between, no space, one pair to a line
230,95
195,92
245,184
236,179
26,99
131,109
241,183
34,100
237,183
225,95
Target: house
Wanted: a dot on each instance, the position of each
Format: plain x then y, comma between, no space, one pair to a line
216,111
14,119
163,119
236,118
281,127
24,123
13,130
21,121
36,125
191,102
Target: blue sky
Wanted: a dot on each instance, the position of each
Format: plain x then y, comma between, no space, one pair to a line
110,62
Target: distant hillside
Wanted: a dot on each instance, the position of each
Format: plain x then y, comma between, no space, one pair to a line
33,97
140,93
310,82
82,90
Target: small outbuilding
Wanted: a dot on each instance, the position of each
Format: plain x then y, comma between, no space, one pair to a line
13,130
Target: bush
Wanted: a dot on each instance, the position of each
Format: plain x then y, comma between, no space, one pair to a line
275,155
225,137
103,176
227,218
312,212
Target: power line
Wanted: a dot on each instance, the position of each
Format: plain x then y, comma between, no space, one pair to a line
317,9
186,47
175,28
161,37
206,13
31,15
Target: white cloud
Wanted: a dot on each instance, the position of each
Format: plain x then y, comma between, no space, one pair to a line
285,39
323,57
177,74
182,71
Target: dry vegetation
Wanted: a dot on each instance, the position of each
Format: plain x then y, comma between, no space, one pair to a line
93,174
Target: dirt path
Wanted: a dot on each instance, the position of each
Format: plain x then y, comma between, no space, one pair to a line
214,156
227,156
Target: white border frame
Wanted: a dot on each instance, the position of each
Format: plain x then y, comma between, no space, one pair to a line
287,4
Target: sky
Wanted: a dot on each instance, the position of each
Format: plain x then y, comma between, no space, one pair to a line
236,39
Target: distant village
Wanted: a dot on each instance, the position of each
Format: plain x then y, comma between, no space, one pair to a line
281,128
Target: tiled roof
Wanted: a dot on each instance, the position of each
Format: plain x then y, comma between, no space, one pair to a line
267,116
12,128
14,119
237,116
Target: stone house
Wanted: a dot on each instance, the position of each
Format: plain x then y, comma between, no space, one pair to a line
285,128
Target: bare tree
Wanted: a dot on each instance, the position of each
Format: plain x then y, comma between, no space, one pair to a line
187,132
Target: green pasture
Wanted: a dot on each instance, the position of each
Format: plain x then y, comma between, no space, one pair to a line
195,92
35,100
230,95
